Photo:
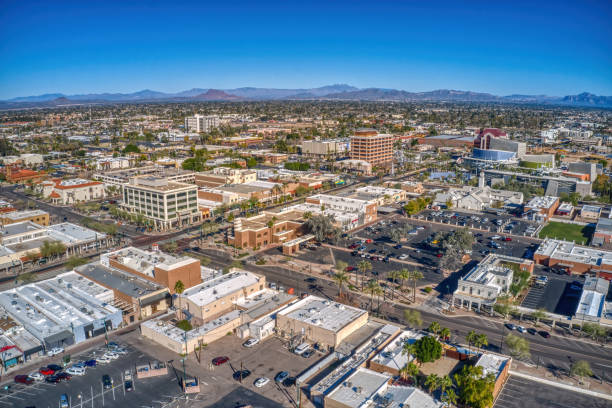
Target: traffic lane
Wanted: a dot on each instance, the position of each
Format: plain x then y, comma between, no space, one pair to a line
460,326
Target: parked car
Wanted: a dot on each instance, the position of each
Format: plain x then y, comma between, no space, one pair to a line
46,371
76,370
24,379
103,359
241,374
91,363
510,326
532,331
36,376
55,351
308,353
261,382
250,343
54,367
280,377
521,329
64,402
220,360
127,375
79,364
120,351
111,355
129,385
64,376
52,379
107,382
544,334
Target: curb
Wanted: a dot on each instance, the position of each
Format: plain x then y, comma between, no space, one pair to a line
560,385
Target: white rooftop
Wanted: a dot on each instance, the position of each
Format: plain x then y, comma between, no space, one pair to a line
492,363
69,233
75,182
359,387
145,261
403,397
213,289
320,312
18,215
570,252
541,202
392,355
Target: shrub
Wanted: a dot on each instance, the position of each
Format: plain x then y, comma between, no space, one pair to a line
184,325
428,289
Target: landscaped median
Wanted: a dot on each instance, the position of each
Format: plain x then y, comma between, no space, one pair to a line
580,234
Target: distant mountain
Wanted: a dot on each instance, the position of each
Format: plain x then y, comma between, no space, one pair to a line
216,95
330,92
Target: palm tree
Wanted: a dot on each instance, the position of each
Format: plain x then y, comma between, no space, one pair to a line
413,371
432,382
403,373
364,267
449,397
373,288
481,340
408,349
471,338
179,288
434,327
444,383
415,275
340,278
445,333
404,275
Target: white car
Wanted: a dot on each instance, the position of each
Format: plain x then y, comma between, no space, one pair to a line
120,350
36,376
402,257
250,343
55,351
103,359
111,355
495,237
521,329
76,370
127,375
260,382
420,228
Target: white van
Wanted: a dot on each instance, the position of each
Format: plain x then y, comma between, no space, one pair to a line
301,349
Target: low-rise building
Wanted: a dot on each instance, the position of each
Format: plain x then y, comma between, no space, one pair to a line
321,321
498,365
573,258
565,210
592,305
72,191
220,176
347,213
158,267
541,208
477,198
382,195
485,282
393,358
267,228
325,149
410,187
590,212
165,204
39,217
120,177
603,232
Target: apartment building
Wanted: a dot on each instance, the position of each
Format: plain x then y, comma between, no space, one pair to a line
166,204
73,191
158,267
39,217
484,283
370,146
201,123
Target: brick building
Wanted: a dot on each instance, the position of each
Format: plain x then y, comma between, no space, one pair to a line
372,147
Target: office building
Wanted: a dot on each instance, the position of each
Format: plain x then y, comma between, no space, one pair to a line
574,259
155,266
122,176
165,204
325,149
36,216
370,146
201,123
541,208
267,228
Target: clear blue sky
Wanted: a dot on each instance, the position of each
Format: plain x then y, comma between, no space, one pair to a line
502,47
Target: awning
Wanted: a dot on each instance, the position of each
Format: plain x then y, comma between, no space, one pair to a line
154,298
57,338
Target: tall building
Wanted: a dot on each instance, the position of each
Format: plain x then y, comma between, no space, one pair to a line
201,123
166,204
370,146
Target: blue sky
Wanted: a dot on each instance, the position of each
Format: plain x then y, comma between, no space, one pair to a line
502,47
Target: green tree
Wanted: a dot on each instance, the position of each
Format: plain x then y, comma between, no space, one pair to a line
538,314
449,397
427,349
518,346
75,261
131,148
475,389
363,267
415,275
432,382
581,369
373,288
340,278
434,327
410,370
413,318
179,288
445,333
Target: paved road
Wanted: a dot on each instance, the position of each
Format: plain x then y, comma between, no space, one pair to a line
557,352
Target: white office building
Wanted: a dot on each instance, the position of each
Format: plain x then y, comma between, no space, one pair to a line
201,123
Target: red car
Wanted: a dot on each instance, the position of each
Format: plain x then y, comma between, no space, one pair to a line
439,255
23,379
349,268
46,371
368,241
507,239
220,360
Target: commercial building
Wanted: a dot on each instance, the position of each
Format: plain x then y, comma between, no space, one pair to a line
63,310
267,228
325,149
552,185
592,306
591,212
485,282
321,321
477,198
112,163
485,136
382,195
603,232
39,217
565,210
166,204
347,212
118,178
220,176
541,208
137,297
72,191
392,358
574,259
588,169
201,123
413,188
370,146
15,174
158,267
359,166
453,141
499,366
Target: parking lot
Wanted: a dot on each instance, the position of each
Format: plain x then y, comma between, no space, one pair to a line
87,390
522,393
559,295
499,222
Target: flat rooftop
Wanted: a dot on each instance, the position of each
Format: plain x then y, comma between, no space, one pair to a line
572,253
323,313
19,215
123,282
20,228
492,363
359,387
392,355
144,261
69,233
261,221
542,202
221,286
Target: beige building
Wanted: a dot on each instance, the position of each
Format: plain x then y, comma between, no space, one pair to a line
325,148
220,176
372,147
36,216
72,191
267,228
317,320
382,195
166,204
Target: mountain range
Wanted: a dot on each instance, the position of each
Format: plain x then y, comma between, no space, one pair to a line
338,92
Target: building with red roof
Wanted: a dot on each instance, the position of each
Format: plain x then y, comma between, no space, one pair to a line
73,191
